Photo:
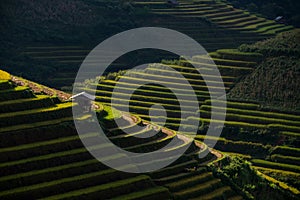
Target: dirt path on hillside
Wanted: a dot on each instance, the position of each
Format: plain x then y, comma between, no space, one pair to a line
41,89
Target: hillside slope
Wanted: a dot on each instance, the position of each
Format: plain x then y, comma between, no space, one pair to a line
43,157
275,82
268,137
272,8
56,37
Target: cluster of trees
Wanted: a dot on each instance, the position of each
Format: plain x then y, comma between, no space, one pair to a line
273,81
248,182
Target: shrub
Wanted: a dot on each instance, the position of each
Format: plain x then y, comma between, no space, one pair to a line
234,54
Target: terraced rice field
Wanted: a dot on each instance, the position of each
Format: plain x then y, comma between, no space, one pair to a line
221,14
157,74
214,25
264,150
43,157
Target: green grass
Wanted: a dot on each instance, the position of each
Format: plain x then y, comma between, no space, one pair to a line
267,28
152,145
234,123
251,118
219,193
34,125
137,107
103,187
240,147
290,134
145,110
36,115
237,20
244,156
137,98
111,113
57,155
132,135
199,189
154,92
57,183
224,9
216,19
279,30
178,85
41,101
220,66
227,62
5,84
233,104
219,13
234,54
152,88
287,151
170,119
152,193
180,80
45,143
274,115
285,173
241,24
4,75
274,174
285,159
189,76
15,93
127,126
283,127
173,169
274,165
47,170
281,184
261,24
190,182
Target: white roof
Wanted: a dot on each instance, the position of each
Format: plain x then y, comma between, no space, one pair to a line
84,94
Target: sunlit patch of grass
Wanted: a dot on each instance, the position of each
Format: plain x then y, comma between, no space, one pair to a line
4,75
111,113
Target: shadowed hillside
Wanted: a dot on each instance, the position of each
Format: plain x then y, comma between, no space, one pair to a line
50,39
43,157
275,82
267,136
228,118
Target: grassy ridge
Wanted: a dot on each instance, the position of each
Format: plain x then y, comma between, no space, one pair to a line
15,93
274,165
234,54
40,101
289,180
285,159
285,150
60,111
257,113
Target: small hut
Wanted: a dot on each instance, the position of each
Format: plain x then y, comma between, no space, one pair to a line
280,20
84,100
